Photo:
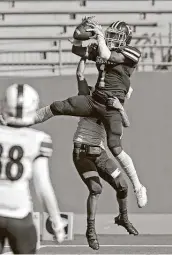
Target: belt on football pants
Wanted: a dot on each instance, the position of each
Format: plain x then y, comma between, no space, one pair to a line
102,98
90,150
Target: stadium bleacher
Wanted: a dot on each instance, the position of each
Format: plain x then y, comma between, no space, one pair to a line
37,32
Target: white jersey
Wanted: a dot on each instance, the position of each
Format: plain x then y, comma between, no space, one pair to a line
19,147
90,131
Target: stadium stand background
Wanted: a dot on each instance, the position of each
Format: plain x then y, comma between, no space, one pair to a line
39,25
34,48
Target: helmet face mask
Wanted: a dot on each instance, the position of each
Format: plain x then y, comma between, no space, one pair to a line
117,36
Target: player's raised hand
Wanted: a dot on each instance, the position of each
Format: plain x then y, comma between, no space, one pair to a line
115,103
96,29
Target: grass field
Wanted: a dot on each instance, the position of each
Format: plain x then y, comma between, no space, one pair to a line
111,244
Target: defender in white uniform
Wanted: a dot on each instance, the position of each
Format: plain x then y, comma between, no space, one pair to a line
24,154
92,162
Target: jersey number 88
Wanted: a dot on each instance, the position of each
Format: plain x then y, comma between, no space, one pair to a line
15,155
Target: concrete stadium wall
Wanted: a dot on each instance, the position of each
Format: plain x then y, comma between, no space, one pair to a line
148,141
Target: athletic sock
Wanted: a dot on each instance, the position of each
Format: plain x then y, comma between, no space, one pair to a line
123,207
127,165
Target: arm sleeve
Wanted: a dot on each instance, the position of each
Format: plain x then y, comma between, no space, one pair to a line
44,189
128,55
80,51
83,88
43,114
46,147
131,54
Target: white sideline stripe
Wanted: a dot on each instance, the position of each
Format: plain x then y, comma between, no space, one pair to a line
109,245
106,245
102,254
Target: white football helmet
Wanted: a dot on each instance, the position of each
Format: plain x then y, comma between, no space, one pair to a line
20,105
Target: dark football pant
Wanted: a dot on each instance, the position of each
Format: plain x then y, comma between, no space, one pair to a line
87,106
20,233
91,167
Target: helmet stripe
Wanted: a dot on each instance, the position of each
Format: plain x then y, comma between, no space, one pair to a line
114,24
117,23
19,106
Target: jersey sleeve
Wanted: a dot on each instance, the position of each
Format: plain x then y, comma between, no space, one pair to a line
131,54
46,147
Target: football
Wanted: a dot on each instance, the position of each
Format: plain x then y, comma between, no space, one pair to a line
81,33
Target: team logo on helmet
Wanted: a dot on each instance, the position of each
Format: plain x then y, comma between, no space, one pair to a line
118,35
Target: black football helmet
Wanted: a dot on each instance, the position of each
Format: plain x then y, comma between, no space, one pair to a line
118,35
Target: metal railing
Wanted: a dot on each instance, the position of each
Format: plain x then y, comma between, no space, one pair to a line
85,11
71,23
58,37
81,2
60,62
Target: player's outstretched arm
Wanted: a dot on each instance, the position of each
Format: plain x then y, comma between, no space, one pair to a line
90,52
104,51
78,49
46,195
125,119
83,88
43,114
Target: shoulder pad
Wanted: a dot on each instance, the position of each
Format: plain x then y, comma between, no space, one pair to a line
131,53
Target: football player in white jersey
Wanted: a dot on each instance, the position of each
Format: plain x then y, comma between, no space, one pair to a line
24,154
92,162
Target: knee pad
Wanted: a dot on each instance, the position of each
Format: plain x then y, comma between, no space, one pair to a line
57,107
114,143
94,186
121,187
113,140
61,107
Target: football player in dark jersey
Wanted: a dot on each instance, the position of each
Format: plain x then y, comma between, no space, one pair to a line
115,61
92,163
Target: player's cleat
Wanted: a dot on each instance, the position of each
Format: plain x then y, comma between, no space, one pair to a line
92,236
124,222
141,196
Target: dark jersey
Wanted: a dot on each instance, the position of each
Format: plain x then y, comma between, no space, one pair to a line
114,78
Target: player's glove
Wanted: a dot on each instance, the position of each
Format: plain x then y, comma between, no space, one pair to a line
96,29
59,231
114,102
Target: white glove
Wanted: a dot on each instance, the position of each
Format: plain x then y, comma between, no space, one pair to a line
59,231
130,91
